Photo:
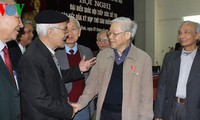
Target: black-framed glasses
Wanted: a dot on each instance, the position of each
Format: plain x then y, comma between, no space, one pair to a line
114,34
64,29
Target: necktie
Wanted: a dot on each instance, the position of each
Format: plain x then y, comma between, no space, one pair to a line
57,64
71,51
7,61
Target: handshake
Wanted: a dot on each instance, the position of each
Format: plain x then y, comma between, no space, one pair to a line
76,108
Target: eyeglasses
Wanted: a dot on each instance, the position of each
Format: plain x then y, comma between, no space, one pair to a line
103,40
115,34
64,29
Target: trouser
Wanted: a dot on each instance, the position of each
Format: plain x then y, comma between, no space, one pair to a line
178,111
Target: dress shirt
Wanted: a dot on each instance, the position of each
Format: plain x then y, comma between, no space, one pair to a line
67,48
22,48
185,67
120,59
2,45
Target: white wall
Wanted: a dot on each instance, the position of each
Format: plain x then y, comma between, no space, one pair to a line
159,21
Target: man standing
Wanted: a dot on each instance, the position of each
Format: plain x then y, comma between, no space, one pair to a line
70,56
10,100
122,78
17,47
178,94
102,41
43,93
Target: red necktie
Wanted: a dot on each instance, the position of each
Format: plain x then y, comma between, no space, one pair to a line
7,61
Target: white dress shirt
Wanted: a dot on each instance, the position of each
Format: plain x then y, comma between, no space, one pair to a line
185,67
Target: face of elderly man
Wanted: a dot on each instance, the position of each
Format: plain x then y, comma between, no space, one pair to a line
119,39
59,35
27,37
73,32
187,36
9,25
103,41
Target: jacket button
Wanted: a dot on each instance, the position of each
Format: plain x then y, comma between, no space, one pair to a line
17,95
63,94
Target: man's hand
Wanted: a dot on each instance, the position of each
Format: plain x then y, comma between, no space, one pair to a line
85,65
76,107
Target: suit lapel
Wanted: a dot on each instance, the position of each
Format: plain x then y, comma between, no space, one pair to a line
176,66
195,67
4,71
45,52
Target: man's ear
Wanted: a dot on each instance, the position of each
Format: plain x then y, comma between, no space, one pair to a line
128,35
50,33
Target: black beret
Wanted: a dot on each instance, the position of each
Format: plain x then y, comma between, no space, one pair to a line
50,16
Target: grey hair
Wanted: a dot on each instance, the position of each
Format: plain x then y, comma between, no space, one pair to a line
197,25
102,32
77,22
42,29
127,25
26,21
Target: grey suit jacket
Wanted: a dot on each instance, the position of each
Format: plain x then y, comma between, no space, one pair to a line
64,64
168,84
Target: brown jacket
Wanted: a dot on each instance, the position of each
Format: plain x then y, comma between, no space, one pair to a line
137,84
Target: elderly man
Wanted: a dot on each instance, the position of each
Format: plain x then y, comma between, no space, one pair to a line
17,47
70,56
122,78
43,93
102,41
10,100
178,94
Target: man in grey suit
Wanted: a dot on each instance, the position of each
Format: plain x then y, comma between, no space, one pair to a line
178,96
10,100
70,56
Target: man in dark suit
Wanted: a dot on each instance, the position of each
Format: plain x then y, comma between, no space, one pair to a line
43,93
178,96
10,101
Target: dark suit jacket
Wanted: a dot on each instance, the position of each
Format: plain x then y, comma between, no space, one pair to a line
168,84
14,52
9,101
43,94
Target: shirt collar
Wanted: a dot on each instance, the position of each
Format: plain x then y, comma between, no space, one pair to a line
120,59
189,53
67,48
2,45
52,51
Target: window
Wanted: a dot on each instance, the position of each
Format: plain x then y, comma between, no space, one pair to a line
195,18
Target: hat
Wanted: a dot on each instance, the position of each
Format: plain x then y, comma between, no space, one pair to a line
50,16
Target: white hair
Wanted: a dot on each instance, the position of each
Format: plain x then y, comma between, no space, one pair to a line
42,29
126,25
77,22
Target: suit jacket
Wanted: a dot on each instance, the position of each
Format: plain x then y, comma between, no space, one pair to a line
10,100
14,52
137,103
64,64
43,94
167,86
